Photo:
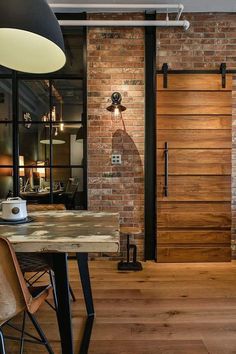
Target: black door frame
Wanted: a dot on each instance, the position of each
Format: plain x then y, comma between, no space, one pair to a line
150,219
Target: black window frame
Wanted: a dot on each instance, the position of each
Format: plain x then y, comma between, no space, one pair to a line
15,78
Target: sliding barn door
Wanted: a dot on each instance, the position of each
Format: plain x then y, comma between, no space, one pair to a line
194,168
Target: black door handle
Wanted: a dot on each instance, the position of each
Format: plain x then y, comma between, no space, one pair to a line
166,155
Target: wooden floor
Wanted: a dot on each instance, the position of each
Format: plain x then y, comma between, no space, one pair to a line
165,309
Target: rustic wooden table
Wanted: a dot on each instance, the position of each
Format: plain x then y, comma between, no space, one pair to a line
60,232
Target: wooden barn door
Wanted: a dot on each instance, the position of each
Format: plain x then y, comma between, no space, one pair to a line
194,168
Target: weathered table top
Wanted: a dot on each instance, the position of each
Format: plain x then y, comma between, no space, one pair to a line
65,231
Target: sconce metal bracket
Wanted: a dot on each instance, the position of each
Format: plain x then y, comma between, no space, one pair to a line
223,73
165,75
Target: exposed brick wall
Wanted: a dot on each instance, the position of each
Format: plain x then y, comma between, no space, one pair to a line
116,63
210,40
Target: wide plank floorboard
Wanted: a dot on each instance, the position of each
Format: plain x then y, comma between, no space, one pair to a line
165,309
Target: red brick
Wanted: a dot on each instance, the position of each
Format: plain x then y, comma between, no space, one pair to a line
116,63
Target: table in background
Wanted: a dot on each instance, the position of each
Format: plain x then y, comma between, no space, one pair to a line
60,232
40,197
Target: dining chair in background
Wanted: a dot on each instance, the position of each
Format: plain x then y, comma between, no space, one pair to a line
69,195
16,298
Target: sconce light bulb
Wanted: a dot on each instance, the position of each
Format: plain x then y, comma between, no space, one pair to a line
56,132
116,113
61,127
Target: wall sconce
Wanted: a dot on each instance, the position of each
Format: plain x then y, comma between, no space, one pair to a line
116,107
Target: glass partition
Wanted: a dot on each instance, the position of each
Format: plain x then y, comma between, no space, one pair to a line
44,124
51,133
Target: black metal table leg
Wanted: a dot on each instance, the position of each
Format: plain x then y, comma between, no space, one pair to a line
82,259
63,300
84,346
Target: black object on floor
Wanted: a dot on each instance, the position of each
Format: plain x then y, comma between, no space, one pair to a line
133,265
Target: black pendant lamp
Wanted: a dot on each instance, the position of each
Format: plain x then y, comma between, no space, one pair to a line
31,40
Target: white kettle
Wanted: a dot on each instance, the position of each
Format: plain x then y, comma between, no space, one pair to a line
14,209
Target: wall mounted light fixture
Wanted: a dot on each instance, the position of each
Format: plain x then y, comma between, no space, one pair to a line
30,37
116,107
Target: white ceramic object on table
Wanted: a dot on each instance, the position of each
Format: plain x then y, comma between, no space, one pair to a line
14,209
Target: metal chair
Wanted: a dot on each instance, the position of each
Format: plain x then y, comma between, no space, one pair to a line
16,298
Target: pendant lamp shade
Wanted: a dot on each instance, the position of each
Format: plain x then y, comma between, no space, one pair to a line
31,40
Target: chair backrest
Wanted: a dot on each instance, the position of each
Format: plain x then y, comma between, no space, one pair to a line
72,185
14,294
45,207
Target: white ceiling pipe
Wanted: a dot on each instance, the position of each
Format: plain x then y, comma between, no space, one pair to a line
133,23
113,7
